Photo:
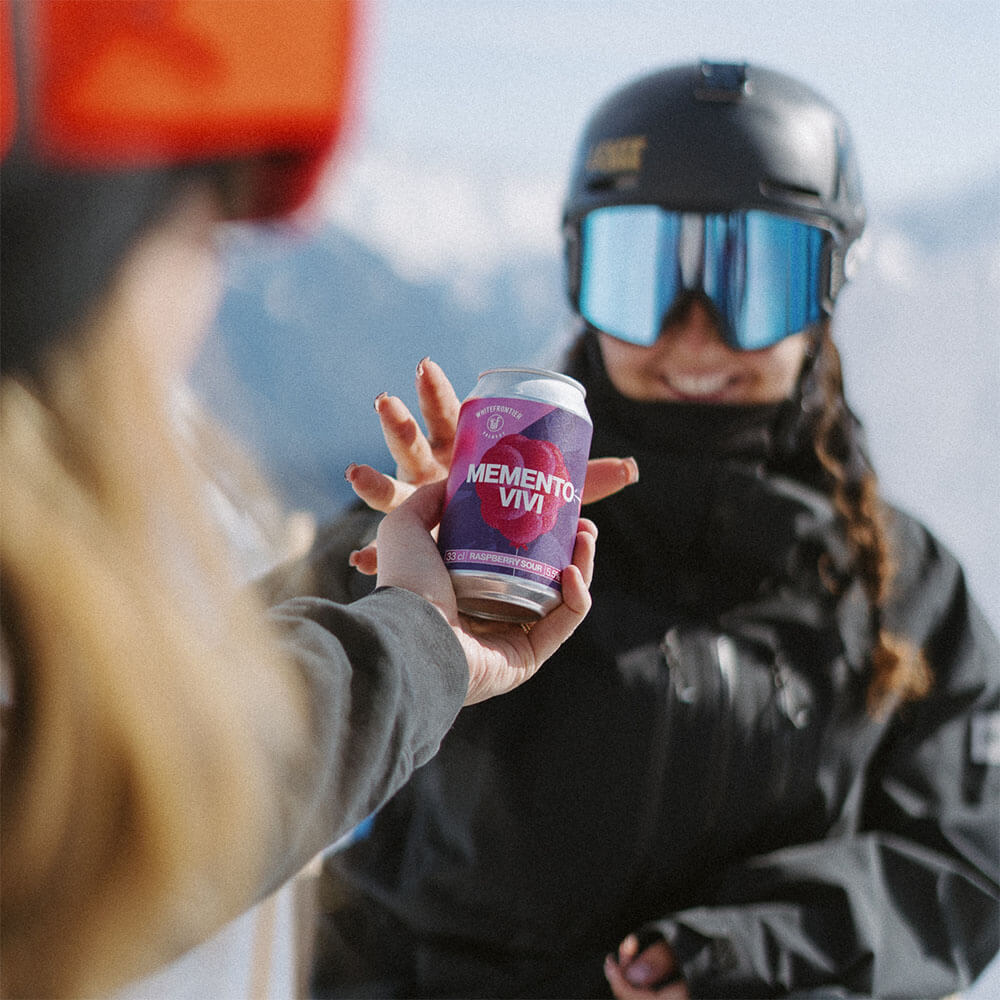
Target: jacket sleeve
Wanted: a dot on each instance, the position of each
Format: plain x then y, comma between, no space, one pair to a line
385,678
906,902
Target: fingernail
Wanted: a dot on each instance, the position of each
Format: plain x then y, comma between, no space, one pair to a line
420,365
639,973
349,471
633,470
379,398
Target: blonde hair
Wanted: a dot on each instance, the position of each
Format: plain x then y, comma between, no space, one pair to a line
150,704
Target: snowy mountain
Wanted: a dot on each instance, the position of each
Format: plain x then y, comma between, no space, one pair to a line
312,329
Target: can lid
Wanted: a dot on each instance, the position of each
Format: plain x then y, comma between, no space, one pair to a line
543,372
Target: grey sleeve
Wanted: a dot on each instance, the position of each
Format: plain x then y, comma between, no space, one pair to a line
384,679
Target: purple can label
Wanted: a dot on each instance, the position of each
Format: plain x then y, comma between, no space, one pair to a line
514,489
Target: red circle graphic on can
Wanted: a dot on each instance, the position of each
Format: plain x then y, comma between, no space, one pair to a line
526,503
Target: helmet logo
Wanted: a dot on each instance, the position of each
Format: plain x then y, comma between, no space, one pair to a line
617,156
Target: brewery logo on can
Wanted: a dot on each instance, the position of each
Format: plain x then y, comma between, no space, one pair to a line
514,489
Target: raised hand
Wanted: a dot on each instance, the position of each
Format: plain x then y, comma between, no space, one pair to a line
424,456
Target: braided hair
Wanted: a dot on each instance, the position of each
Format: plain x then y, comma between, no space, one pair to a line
818,440
900,672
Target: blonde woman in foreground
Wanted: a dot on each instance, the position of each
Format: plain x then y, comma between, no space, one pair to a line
172,752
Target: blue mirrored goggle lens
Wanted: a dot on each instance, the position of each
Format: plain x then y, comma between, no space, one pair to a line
762,272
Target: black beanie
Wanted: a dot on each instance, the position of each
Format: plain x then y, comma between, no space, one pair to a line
64,232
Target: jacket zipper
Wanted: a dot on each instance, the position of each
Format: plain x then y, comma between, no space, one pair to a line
724,655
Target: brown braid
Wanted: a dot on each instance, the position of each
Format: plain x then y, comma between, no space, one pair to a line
900,670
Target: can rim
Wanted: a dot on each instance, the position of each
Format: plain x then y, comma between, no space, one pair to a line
546,372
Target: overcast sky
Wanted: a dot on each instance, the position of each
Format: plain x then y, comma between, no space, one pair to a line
505,85
469,110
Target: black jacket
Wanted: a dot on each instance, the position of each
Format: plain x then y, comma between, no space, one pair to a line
697,760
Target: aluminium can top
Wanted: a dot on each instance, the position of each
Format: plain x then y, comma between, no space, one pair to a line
533,383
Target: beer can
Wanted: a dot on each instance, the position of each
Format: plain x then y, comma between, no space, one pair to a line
514,489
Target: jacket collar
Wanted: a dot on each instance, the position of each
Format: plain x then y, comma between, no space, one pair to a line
712,520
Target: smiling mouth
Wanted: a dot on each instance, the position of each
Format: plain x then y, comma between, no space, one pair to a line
696,387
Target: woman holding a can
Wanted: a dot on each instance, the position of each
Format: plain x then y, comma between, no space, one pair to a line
766,764
172,751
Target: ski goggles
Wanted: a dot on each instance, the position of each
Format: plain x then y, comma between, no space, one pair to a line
765,274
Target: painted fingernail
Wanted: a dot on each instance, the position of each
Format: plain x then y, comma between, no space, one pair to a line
639,973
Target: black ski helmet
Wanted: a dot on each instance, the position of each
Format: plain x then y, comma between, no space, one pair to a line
720,137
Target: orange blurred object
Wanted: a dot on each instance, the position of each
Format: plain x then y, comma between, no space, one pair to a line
8,90
132,83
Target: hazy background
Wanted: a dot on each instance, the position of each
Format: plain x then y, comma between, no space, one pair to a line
439,231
